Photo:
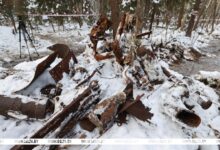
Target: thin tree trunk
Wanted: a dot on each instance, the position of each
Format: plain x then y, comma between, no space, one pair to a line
102,7
152,18
181,14
192,19
214,15
115,14
202,10
140,16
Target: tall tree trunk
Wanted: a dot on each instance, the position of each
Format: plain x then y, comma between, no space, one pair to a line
147,6
181,14
204,7
19,7
192,19
140,16
115,14
152,17
214,15
102,7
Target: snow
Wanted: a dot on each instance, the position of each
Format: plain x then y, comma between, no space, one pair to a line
165,100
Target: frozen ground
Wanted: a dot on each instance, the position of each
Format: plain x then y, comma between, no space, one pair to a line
164,100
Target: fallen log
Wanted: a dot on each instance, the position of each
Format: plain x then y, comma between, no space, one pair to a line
56,121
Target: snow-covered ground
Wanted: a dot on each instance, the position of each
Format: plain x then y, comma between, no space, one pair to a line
165,100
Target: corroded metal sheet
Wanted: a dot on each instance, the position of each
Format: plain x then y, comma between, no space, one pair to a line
30,109
63,66
41,68
188,118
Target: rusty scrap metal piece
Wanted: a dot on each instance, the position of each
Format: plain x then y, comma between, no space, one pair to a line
121,25
63,66
30,109
166,72
56,121
137,109
105,112
86,124
206,104
118,52
41,68
144,52
47,89
100,57
188,106
138,36
98,30
90,76
188,118
62,50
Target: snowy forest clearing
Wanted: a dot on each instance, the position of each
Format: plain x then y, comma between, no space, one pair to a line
110,80
153,99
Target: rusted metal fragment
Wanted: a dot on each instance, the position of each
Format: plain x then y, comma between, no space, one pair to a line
63,66
105,112
166,72
90,76
86,124
30,109
121,25
138,36
143,52
51,90
61,49
47,89
129,90
188,106
98,31
72,108
100,57
118,52
206,104
41,68
188,118
137,109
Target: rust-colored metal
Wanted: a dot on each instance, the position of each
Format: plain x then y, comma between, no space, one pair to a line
98,31
30,109
206,104
118,52
61,49
188,118
121,25
86,124
138,36
63,66
47,89
56,121
105,112
144,52
137,109
41,68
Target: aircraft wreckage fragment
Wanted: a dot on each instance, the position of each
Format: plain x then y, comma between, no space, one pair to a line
57,72
11,107
33,109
